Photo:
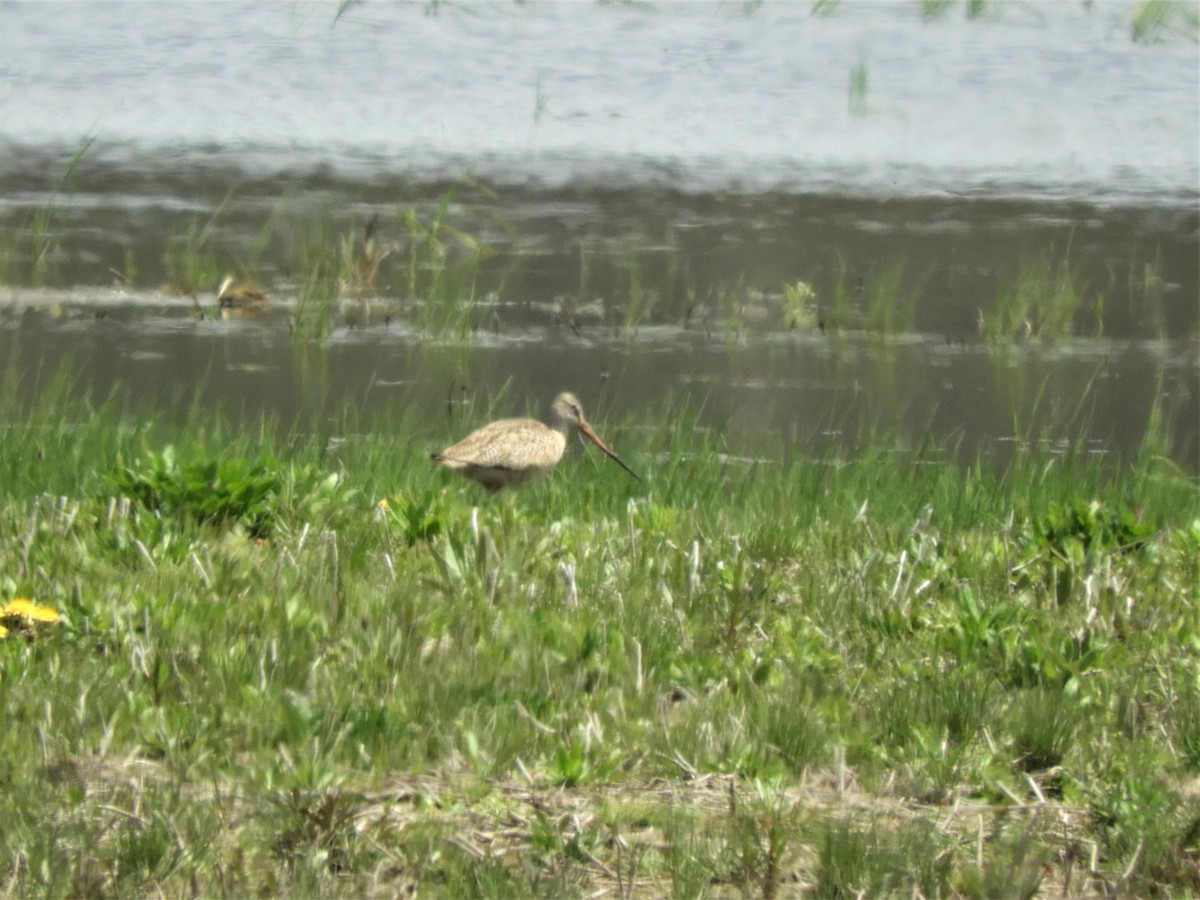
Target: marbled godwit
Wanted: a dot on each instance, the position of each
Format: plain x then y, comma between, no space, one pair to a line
238,296
511,452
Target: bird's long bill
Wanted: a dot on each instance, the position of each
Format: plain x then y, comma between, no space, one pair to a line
595,439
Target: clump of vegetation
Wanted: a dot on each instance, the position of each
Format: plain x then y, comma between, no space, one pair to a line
220,491
891,304
33,256
934,8
440,270
1154,21
1039,301
799,306
192,262
419,268
859,81
1078,530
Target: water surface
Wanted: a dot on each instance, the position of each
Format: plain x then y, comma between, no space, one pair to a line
1036,99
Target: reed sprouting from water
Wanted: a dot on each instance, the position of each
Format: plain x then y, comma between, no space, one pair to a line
441,272
1156,21
859,79
414,267
891,301
1040,300
32,254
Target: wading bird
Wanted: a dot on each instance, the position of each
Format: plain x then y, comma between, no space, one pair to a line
238,296
512,452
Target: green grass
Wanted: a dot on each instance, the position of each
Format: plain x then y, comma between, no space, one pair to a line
857,104
1158,21
855,675
1041,300
934,8
192,262
33,252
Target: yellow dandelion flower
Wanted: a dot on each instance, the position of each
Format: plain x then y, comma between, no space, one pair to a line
27,610
3,632
380,513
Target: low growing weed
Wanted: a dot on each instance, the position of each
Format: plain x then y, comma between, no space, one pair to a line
221,491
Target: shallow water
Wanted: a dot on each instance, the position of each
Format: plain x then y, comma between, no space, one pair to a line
706,155
770,396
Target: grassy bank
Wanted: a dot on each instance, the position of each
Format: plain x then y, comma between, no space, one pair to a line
865,675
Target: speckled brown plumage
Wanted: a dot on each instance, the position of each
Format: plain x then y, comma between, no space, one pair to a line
512,452
238,296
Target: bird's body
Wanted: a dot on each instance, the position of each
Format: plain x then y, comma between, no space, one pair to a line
238,296
512,452
506,453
